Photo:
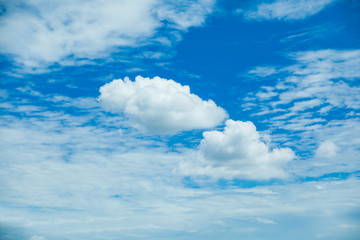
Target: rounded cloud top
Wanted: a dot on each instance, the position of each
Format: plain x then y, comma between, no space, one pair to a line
239,146
238,152
159,105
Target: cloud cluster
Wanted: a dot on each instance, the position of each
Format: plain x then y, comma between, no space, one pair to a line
40,33
159,105
287,9
239,152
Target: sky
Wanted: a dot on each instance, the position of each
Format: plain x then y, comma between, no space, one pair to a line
183,120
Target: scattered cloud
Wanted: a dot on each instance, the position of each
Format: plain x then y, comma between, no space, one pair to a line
286,9
144,160
53,161
159,105
320,80
37,34
314,99
238,152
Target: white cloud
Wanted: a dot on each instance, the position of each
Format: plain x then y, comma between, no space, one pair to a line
39,33
69,176
239,152
319,81
159,105
315,99
333,63
326,149
263,71
287,9
302,105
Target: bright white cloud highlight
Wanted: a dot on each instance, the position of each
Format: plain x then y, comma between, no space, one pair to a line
287,9
159,105
40,33
239,152
326,149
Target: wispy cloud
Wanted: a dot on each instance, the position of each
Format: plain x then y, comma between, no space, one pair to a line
286,9
318,78
306,101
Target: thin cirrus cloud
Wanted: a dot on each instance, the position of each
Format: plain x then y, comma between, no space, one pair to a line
159,105
286,10
38,34
238,152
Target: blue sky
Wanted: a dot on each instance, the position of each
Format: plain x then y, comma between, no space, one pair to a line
189,119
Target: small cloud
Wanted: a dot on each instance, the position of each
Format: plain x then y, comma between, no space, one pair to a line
264,220
285,9
263,71
36,237
159,105
326,149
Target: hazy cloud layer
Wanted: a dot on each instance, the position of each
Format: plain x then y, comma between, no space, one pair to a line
159,105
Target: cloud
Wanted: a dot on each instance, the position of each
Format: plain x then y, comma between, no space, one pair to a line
37,34
326,149
35,237
159,105
263,71
66,175
313,99
239,152
319,80
287,9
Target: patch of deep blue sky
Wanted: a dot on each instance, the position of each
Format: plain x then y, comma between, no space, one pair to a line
213,60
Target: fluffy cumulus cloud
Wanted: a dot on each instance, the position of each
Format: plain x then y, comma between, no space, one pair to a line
39,33
326,149
287,9
238,151
159,105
